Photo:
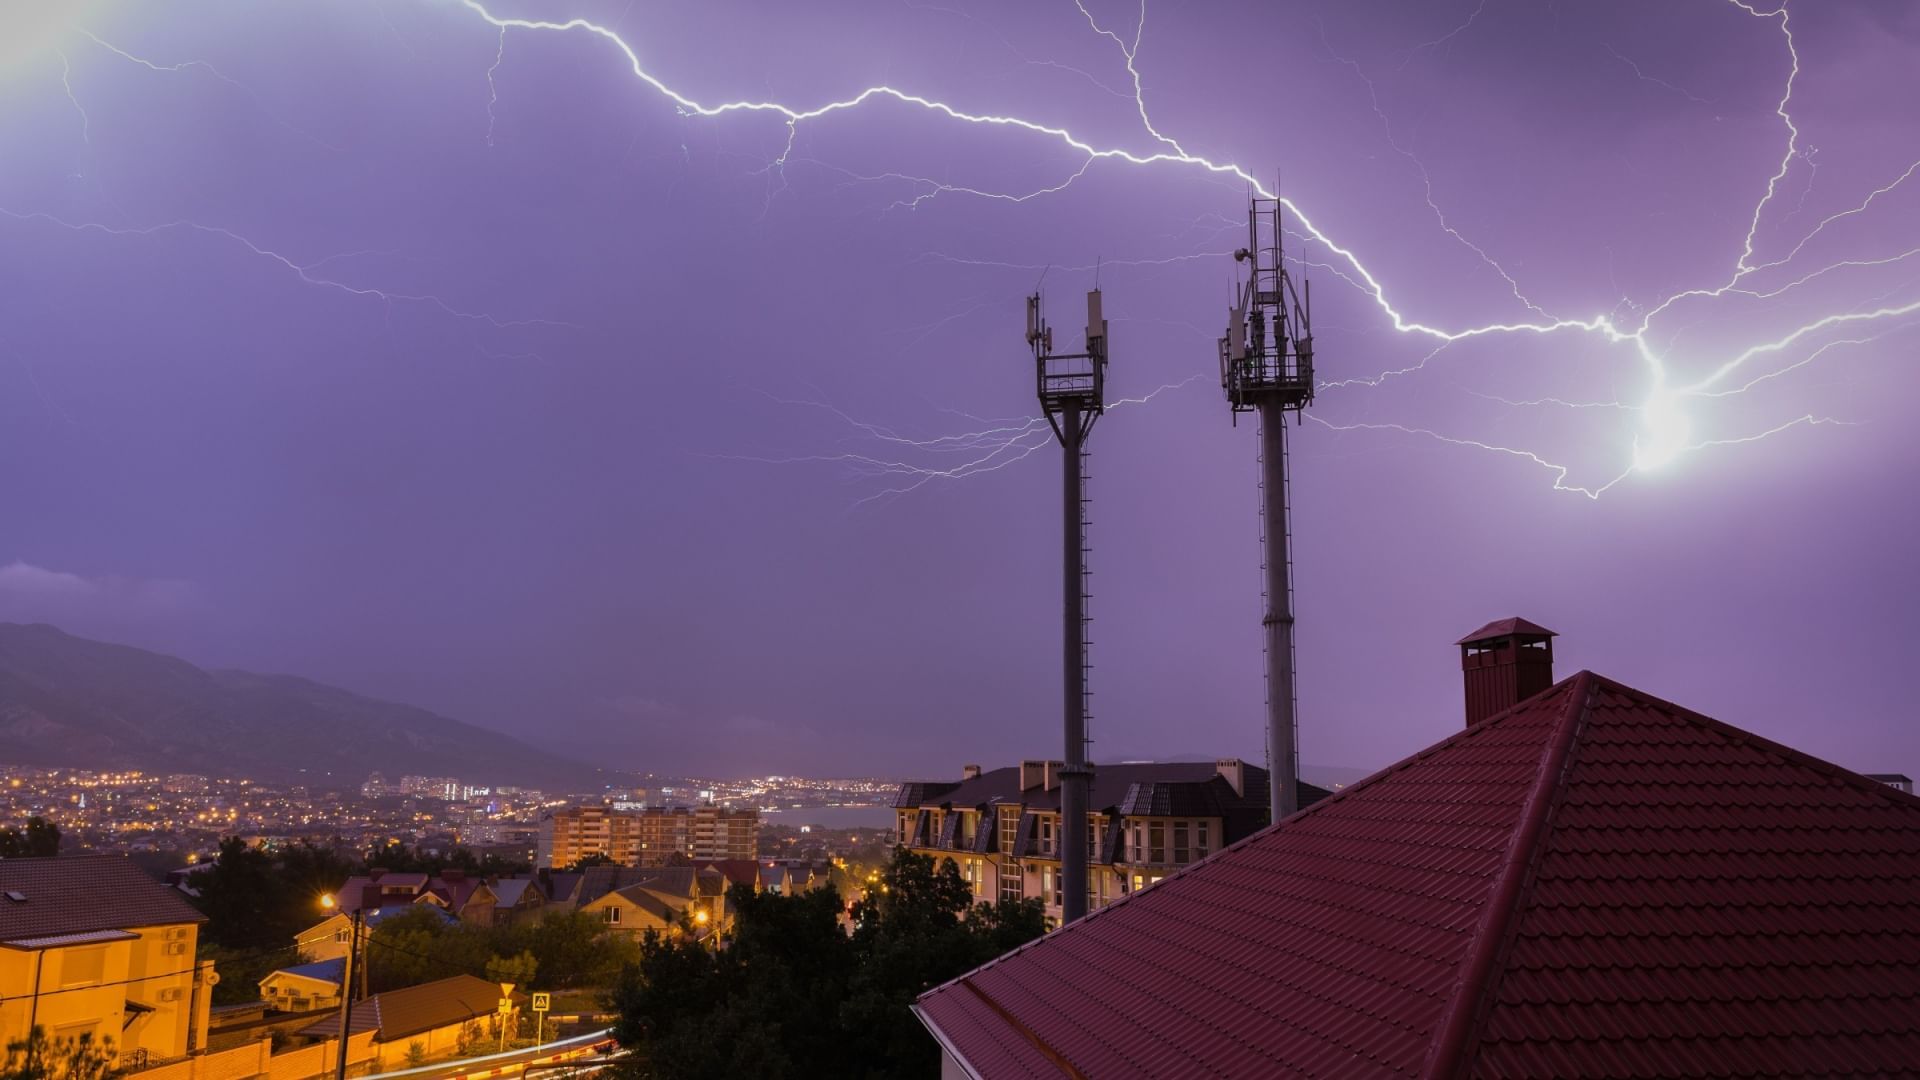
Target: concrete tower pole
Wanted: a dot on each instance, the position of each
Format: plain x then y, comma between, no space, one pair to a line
1283,773
1073,778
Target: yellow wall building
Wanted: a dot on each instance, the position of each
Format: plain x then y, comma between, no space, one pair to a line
91,946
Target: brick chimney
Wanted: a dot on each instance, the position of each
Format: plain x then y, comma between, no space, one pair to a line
1504,663
1234,771
1039,774
969,772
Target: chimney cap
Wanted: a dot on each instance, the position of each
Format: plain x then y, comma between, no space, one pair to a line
1499,628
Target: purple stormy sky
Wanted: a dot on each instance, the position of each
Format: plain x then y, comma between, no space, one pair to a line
501,370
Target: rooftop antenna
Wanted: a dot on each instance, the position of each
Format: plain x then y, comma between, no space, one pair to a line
1072,388
1266,366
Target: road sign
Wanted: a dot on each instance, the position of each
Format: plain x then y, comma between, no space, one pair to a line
542,1002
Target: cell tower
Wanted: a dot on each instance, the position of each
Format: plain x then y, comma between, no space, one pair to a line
1072,388
1266,365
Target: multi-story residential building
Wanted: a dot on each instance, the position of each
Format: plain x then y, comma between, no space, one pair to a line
723,833
1002,828
647,837
581,832
91,946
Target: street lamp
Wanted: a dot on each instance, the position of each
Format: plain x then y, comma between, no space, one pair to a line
328,903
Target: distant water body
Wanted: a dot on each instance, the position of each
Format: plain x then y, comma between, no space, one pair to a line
832,817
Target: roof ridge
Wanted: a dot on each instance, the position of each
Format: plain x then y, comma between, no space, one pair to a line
1745,737
1453,1035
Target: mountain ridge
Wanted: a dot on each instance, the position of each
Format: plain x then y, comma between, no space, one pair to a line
76,702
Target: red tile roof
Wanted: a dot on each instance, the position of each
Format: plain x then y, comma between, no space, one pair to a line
397,1014
78,894
1594,882
1506,628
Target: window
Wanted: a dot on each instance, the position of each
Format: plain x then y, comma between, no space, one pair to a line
1157,842
1009,826
1046,836
83,967
1136,851
1050,885
1200,840
964,833
612,914
1181,852
340,938
1010,883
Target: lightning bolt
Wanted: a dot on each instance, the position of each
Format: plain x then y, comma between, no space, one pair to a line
1665,437
201,65
1666,432
66,83
304,272
1000,444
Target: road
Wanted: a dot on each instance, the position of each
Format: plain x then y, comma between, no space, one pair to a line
548,1061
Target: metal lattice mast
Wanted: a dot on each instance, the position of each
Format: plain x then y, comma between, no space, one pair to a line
1071,387
1266,366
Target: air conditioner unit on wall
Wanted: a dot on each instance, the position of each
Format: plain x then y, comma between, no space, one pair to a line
176,948
171,993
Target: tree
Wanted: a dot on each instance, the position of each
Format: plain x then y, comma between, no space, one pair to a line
40,840
517,969
569,948
256,900
38,1057
793,994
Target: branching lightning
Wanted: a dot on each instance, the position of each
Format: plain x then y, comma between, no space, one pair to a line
304,272
1665,425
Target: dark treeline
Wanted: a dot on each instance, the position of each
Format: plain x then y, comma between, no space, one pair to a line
792,994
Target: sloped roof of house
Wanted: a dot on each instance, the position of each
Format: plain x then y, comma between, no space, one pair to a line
80,894
398,1014
326,971
510,891
653,901
1594,882
1113,785
734,871
374,890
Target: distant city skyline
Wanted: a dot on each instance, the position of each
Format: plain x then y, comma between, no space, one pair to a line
441,356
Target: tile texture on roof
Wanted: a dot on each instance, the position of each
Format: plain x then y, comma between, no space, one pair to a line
397,1014
1707,901
76,894
1692,900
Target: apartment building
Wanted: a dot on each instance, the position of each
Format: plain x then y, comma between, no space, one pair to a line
1002,828
652,836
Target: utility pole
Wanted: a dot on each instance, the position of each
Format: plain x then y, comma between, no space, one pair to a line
1266,365
346,988
1071,388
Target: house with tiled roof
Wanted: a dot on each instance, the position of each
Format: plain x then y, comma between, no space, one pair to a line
1590,881
469,899
439,1017
304,987
90,945
1001,828
328,938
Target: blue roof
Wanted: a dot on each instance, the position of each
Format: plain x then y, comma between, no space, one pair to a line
324,970
373,917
